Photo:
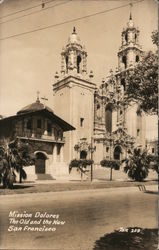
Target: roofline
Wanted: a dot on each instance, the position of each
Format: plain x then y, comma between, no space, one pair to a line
58,119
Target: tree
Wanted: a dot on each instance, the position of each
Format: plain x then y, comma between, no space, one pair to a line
154,162
80,165
6,173
13,157
137,165
143,81
155,37
110,164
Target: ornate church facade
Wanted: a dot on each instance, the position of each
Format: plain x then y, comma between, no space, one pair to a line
106,126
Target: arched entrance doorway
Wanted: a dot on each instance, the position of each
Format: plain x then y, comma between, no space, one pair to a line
117,153
40,163
83,154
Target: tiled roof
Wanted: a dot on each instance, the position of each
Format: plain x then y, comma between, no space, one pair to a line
34,107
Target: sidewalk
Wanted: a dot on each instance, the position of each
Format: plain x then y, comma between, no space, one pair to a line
65,185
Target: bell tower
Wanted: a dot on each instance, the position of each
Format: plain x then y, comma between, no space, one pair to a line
130,52
74,95
74,56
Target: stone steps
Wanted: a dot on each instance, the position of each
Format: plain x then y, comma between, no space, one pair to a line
44,177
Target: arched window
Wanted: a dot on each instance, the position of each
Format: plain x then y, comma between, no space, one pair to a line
78,64
123,83
124,61
66,64
126,37
117,153
108,118
137,58
83,154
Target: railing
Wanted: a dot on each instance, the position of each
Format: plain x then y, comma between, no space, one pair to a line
38,136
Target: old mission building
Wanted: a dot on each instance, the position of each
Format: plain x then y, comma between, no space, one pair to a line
38,126
88,116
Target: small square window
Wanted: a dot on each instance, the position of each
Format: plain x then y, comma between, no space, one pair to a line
138,132
81,122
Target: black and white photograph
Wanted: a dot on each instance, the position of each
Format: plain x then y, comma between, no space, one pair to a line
79,125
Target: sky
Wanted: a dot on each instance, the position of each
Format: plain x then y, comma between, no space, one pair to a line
28,62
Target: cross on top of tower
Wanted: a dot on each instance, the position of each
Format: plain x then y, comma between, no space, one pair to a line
131,5
37,100
74,30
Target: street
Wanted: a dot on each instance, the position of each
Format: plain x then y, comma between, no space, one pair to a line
86,215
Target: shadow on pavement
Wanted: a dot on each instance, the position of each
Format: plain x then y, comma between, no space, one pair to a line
131,239
18,187
151,192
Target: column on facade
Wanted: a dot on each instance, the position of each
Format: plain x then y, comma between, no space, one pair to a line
62,64
84,63
16,129
55,153
72,59
101,109
33,128
75,60
61,153
69,60
124,116
103,112
45,127
118,115
25,127
52,132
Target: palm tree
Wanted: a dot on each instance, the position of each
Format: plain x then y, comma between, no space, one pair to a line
137,165
13,157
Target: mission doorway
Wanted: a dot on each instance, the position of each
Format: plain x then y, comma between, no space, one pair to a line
40,163
117,153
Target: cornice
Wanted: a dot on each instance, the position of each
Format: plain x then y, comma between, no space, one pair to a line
73,80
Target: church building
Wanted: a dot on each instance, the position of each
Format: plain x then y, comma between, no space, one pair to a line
105,124
93,122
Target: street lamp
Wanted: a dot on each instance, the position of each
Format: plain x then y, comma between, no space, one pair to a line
110,140
91,149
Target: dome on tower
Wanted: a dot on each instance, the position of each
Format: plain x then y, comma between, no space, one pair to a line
74,56
130,24
73,38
